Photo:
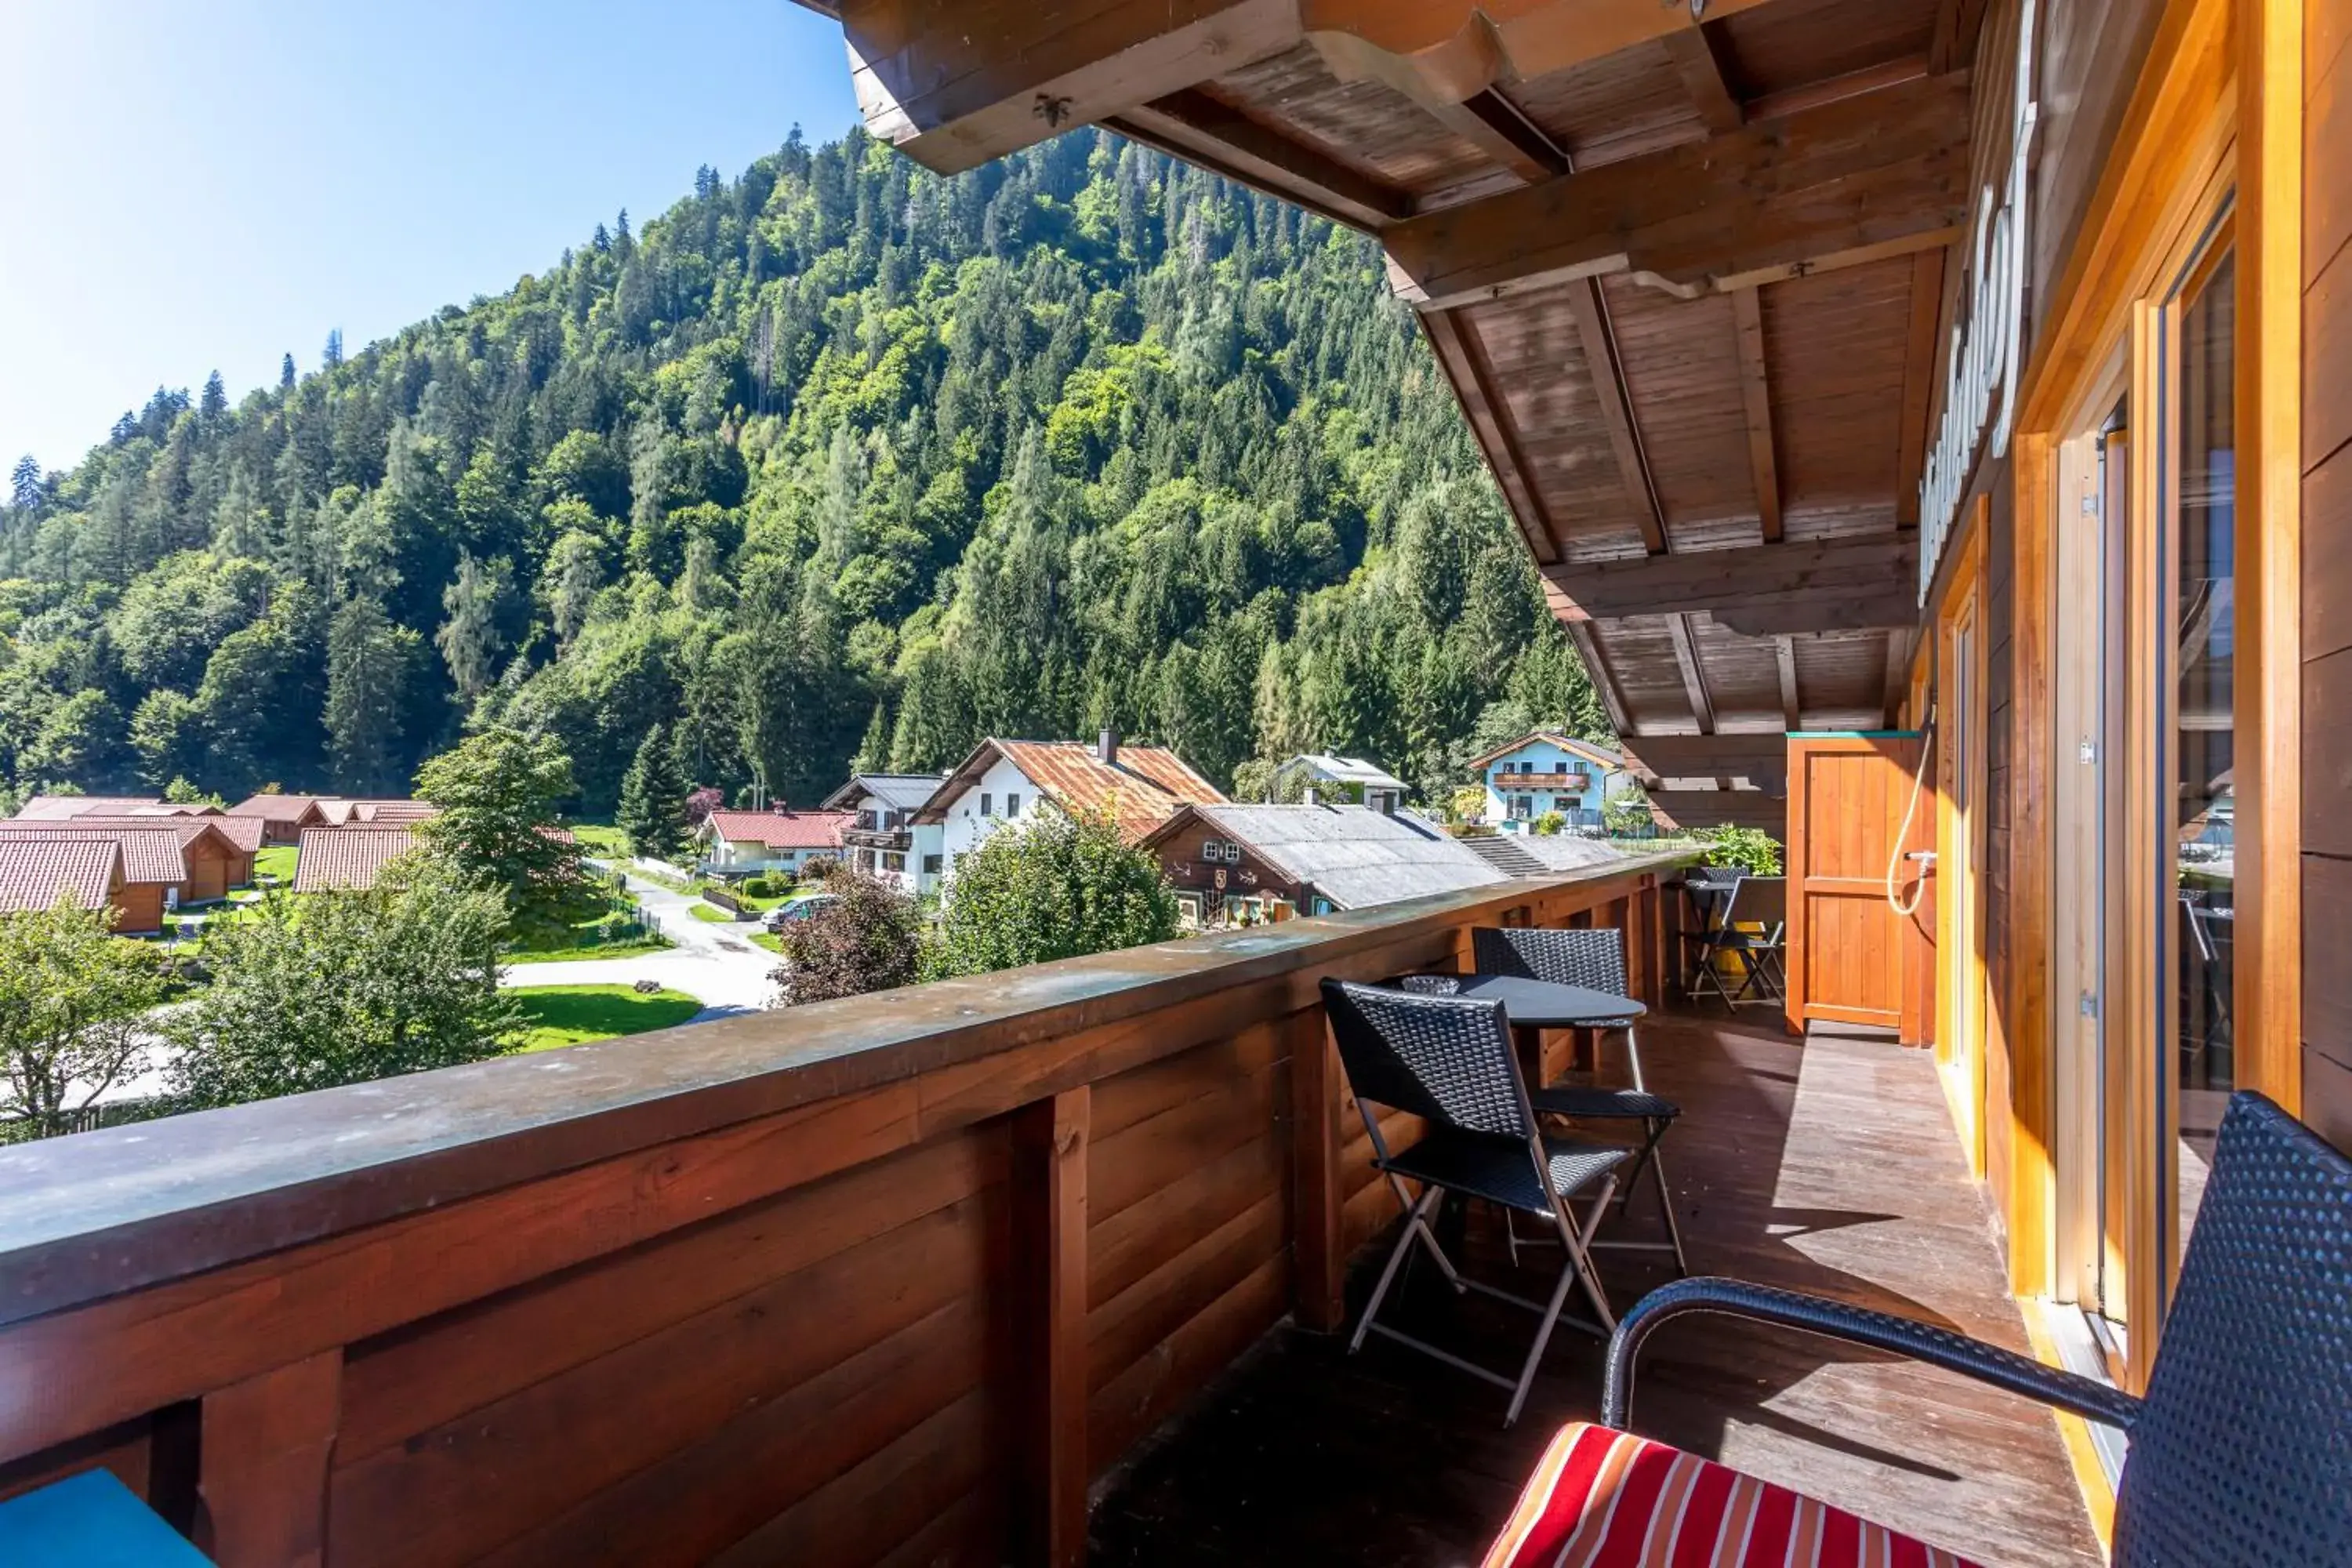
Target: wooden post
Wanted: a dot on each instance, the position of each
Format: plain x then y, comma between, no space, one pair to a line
1639,915
1050,1154
1319,1263
266,1444
1049,1217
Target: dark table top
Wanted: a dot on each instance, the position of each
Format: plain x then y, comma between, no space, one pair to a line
1540,1005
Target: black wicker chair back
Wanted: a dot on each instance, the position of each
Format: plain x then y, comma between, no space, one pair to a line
2242,1453
1447,1058
1593,958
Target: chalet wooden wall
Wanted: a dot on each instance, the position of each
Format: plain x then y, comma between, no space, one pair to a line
895,1304
2327,567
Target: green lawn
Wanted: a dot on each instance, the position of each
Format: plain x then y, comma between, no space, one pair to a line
577,954
274,862
712,913
600,840
559,1016
768,940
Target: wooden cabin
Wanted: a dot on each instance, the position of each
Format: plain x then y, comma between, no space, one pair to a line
1933,415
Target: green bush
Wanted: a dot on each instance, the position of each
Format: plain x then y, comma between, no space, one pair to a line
1751,850
1550,823
761,887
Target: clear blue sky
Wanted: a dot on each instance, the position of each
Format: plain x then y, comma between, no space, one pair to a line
186,187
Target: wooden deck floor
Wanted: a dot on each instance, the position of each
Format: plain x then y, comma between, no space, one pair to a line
1830,1168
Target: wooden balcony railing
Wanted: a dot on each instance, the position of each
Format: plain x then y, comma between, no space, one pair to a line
898,1274
1507,783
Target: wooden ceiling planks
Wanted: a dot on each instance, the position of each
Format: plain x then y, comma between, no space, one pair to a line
1742,678
1681,371
1618,107
1842,675
1795,42
1366,123
1835,347
1605,367
1639,653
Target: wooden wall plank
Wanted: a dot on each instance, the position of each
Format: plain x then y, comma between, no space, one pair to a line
1321,1301
267,1442
1053,1153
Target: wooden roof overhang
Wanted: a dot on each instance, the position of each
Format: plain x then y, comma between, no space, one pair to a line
1684,261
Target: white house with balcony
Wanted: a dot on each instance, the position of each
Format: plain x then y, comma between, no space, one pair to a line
1003,783
883,837
1335,779
1543,773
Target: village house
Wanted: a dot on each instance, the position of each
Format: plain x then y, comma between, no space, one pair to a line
885,839
1537,774
283,816
217,851
777,842
154,868
1341,779
1240,865
1140,788
59,808
348,859
347,811
34,872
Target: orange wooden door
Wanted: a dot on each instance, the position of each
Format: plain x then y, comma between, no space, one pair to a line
1850,955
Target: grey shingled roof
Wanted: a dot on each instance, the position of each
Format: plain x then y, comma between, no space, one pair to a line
899,791
1352,854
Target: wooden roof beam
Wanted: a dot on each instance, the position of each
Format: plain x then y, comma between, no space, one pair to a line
1756,394
1694,678
1881,174
1918,382
1784,656
1203,130
1693,52
1604,679
1460,349
1804,585
955,83
1607,369
1762,760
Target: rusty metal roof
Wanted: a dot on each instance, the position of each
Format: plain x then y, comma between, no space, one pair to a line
34,870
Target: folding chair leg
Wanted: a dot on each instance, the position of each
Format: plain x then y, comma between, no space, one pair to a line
1428,1237
1412,1226
1570,1267
1579,1247
1667,1205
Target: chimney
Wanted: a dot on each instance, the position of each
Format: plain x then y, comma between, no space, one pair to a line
782,808
1107,746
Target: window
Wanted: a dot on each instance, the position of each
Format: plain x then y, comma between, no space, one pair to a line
930,865
1013,803
988,806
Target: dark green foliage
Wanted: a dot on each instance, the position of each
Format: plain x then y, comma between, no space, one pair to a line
1052,886
653,800
867,939
498,824
838,459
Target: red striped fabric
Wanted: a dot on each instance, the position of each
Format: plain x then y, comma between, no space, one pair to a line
1610,1500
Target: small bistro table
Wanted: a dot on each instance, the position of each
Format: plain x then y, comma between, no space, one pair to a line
1542,1005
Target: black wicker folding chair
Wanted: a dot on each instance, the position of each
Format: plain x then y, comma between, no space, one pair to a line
1448,1060
2240,1451
1760,901
1593,959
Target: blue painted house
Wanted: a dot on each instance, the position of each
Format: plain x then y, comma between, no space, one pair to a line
1546,771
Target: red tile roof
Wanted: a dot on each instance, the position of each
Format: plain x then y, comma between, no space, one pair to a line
347,858
275,807
344,811
151,850
783,829
242,833
52,807
34,870
1143,789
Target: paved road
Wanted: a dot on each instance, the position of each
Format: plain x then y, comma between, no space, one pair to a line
718,965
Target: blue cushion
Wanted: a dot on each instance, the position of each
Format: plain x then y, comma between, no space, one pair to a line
89,1521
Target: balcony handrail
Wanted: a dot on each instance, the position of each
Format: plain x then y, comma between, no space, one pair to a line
245,1263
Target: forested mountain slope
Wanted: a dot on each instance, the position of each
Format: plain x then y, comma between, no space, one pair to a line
839,460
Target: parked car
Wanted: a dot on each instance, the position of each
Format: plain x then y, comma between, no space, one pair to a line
799,909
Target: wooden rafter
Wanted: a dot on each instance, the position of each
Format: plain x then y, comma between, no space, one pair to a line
1784,656
1898,675
1604,679
1497,126
1884,174
1755,394
1762,760
1607,371
1204,129
1798,585
1693,52
1954,42
1694,678
1454,337
1918,382
955,83
1838,89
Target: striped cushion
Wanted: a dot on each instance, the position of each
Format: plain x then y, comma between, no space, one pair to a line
1610,1500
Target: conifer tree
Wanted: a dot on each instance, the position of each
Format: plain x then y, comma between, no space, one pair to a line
652,812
